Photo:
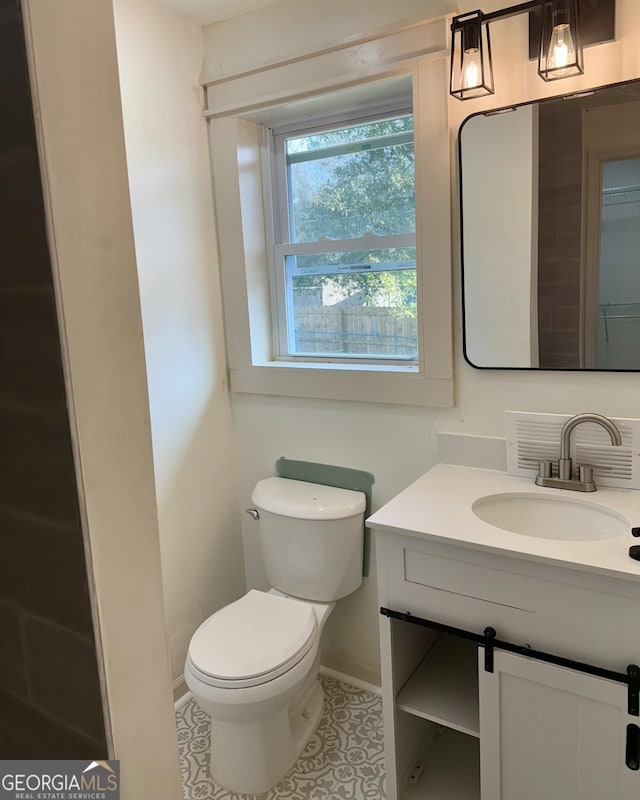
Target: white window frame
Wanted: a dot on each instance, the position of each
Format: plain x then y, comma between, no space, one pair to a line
244,221
280,244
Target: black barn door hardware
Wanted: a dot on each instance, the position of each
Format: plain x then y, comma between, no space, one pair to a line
633,674
489,638
489,641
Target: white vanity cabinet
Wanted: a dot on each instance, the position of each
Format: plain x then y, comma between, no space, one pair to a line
528,729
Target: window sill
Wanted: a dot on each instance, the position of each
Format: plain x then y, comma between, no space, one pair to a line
368,383
345,366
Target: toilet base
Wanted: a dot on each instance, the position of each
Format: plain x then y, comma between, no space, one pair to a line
250,756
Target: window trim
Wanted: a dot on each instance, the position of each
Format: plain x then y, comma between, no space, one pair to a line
242,224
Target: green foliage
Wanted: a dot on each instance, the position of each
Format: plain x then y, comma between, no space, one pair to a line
369,190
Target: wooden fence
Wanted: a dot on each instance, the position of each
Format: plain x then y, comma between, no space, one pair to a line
370,331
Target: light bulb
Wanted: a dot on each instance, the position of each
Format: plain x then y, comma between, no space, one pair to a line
470,69
562,50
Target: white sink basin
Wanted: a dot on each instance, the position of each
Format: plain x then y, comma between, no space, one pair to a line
545,517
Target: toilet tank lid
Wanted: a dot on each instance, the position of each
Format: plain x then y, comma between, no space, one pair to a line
303,500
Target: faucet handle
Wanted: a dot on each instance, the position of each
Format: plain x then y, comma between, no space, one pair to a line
545,469
585,473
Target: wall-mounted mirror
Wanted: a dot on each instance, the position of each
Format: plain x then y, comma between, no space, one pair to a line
550,205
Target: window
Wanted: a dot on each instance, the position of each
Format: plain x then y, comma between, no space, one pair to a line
344,261
392,267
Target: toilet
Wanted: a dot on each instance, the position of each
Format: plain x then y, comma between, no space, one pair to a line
253,665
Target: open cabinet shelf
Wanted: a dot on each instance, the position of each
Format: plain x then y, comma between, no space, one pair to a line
444,687
451,770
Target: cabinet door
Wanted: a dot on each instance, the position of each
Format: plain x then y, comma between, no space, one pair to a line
550,733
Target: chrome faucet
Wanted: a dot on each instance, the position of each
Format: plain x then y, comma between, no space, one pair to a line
565,480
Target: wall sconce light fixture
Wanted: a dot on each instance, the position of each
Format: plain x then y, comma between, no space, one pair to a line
471,64
560,41
558,25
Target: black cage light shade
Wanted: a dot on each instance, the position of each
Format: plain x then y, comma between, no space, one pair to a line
560,41
471,65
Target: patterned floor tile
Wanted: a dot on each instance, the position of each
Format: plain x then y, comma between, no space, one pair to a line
342,761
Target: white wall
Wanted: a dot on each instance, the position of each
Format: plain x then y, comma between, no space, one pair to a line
75,80
160,56
397,444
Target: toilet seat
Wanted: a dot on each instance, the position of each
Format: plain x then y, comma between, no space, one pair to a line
252,641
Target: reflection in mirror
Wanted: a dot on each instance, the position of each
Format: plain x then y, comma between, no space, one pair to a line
619,254
550,204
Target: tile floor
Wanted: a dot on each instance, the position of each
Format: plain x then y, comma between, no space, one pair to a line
342,761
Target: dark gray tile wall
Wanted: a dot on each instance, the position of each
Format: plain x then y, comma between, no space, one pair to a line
559,242
50,700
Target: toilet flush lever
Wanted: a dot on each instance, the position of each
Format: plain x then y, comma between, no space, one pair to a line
253,512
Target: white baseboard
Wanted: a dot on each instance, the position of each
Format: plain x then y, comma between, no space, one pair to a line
348,670
349,680
181,693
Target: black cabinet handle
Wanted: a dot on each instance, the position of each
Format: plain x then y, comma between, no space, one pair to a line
489,635
633,747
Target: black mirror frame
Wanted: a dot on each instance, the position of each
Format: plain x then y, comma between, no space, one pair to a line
491,113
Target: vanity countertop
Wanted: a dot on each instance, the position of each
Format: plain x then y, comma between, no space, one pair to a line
438,506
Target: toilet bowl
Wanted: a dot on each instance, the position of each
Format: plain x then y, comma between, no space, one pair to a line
253,668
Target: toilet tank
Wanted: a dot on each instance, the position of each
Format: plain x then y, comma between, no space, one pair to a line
311,537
